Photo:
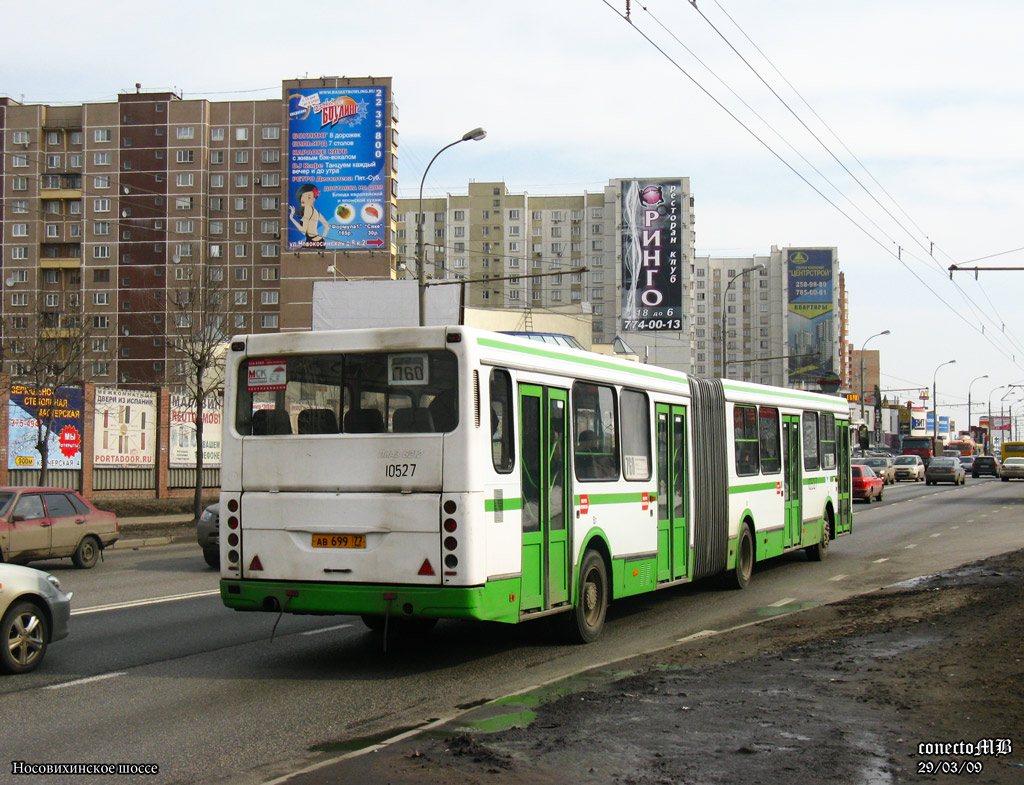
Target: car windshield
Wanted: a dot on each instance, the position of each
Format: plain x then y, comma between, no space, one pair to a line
905,460
876,463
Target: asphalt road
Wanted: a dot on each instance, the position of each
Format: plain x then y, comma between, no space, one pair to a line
157,671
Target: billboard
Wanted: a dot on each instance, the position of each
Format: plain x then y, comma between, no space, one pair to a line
337,171
652,255
183,447
125,431
811,317
64,445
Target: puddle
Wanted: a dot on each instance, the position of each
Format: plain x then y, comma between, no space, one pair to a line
480,723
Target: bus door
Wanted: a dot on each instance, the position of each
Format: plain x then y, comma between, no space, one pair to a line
546,496
792,479
844,521
673,541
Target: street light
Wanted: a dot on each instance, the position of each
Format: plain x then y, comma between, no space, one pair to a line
935,401
421,269
725,297
862,348
969,401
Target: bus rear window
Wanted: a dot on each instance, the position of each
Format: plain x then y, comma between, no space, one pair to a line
393,392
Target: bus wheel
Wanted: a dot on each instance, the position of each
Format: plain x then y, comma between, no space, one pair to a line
739,576
819,551
587,618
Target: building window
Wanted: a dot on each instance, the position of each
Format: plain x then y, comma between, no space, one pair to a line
19,183
268,298
101,135
19,230
100,369
270,202
269,250
185,179
241,181
216,134
270,156
183,202
270,180
271,132
101,159
184,226
185,132
241,156
186,156
216,181
100,298
268,321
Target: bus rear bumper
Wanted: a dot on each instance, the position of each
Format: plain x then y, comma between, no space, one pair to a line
493,601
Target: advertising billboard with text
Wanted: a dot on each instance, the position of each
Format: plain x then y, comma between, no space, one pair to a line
337,167
811,316
652,255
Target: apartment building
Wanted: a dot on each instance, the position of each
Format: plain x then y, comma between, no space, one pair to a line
110,208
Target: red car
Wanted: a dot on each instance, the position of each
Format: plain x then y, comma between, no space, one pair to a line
866,484
47,523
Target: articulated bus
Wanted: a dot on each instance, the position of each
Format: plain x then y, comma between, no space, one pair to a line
410,474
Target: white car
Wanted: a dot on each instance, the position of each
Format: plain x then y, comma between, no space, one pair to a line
33,613
909,467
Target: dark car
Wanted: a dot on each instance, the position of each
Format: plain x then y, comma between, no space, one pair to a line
944,468
985,464
47,523
866,484
207,535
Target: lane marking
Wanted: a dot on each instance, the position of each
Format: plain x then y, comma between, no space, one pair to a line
879,561
326,629
780,603
937,534
912,545
696,635
139,603
837,577
88,680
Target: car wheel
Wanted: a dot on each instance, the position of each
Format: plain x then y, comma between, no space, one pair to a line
587,619
87,553
25,636
212,557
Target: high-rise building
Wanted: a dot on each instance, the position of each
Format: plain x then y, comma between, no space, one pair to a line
108,208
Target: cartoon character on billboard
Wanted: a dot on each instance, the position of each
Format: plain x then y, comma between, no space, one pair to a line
309,219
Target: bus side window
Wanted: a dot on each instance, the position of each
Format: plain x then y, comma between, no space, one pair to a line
502,441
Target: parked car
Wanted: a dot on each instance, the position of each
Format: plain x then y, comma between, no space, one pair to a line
967,461
866,484
945,468
882,466
985,464
47,523
33,613
909,467
1012,469
207,535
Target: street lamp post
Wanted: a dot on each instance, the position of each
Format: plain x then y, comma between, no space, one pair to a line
421,268
862,348
935,401
988,434
725,297
969,401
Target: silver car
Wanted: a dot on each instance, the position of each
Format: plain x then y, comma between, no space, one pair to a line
33,613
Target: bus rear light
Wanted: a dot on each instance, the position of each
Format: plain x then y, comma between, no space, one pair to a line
426,569
255,564
232,522
451,561
450,507
450,543
233,557
233,539
232,505
450,525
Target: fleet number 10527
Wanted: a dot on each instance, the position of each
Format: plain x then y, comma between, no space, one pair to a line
399,469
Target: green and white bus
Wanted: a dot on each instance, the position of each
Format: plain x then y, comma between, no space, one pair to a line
410,474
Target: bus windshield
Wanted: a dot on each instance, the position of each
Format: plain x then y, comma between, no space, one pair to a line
385,392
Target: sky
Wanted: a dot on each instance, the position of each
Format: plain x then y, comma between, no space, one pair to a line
898,142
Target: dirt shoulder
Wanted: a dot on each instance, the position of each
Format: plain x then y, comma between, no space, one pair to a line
843,693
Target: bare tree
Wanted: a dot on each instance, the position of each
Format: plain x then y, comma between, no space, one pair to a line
199,318
45,352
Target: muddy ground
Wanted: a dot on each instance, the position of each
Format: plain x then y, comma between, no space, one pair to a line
842,694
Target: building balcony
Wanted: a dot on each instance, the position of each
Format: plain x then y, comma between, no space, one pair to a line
60,193
61,263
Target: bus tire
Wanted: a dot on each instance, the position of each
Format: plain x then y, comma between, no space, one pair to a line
739,576
819,550
588,615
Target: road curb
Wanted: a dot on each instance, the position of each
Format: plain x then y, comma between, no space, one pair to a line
140,543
